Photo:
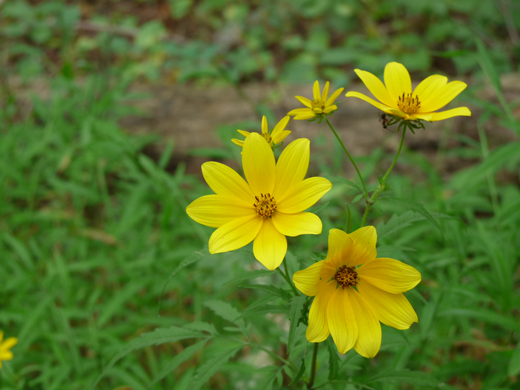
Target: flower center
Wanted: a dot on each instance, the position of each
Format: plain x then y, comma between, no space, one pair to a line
408,104
346,276
265,205
317,105
267,138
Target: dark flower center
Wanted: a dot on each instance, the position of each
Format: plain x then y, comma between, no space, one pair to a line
265,205
346,276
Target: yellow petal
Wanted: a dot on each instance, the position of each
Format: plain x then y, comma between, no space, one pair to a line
265,130
304,101
293,225
333,97
308,115
428,88
237,142
369,337
460,111
303,195
244,133
392,309
258,163
280,137
397,80
225,181
300,111
376,87
390,275
318,329
6,355
427,116
443,96
340,245
367,99
235,234
217,210
329,109
307,280
316,90
325,94
280,126
291,167
364,246
342,320
9,343
270,246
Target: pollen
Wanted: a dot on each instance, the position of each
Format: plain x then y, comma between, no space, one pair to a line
408,104
265,205
346,276
317,106
267,137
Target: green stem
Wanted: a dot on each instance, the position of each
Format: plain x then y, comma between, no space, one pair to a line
349,156
271,353
374,196
286,277
313,367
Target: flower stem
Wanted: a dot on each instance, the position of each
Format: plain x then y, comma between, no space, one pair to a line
349,156
287,279
313,367
374,196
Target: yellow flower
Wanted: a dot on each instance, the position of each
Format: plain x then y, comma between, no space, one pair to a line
277,135
5,346
354,290
266,208
397,97
320,105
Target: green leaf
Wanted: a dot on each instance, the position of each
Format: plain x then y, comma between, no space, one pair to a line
299,374
158,336
333,361
419,208
212,365
270,290
295,313
269,309
513,368
417,378
249,275
484,315
180,358
225,311
399,222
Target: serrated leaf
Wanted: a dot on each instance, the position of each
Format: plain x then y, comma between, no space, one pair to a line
201,327
269,309
158,336
513,368
295,312
300,373
226,311
270,290
180,358
249,275
399,222
484,315
333,361
211,366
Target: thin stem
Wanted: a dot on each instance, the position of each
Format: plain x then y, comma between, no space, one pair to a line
285,361
374,196
313,367
349,156
286,277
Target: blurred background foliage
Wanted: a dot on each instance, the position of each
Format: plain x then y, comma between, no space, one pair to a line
108,284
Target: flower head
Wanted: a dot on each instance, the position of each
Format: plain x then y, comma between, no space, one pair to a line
398,99
320,105
277,135
266,208
354,290
5,346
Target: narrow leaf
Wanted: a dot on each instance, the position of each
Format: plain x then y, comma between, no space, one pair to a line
211,366
248,276
299,374
513,367
270,290
295,313
225,311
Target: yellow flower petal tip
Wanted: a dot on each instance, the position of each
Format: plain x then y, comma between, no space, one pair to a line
5,347
354,291
395,96
267,207
273,138
320,105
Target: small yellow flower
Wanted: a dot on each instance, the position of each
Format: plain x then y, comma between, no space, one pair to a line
321,104
266,208
397,98
5,346
354,290
277,135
